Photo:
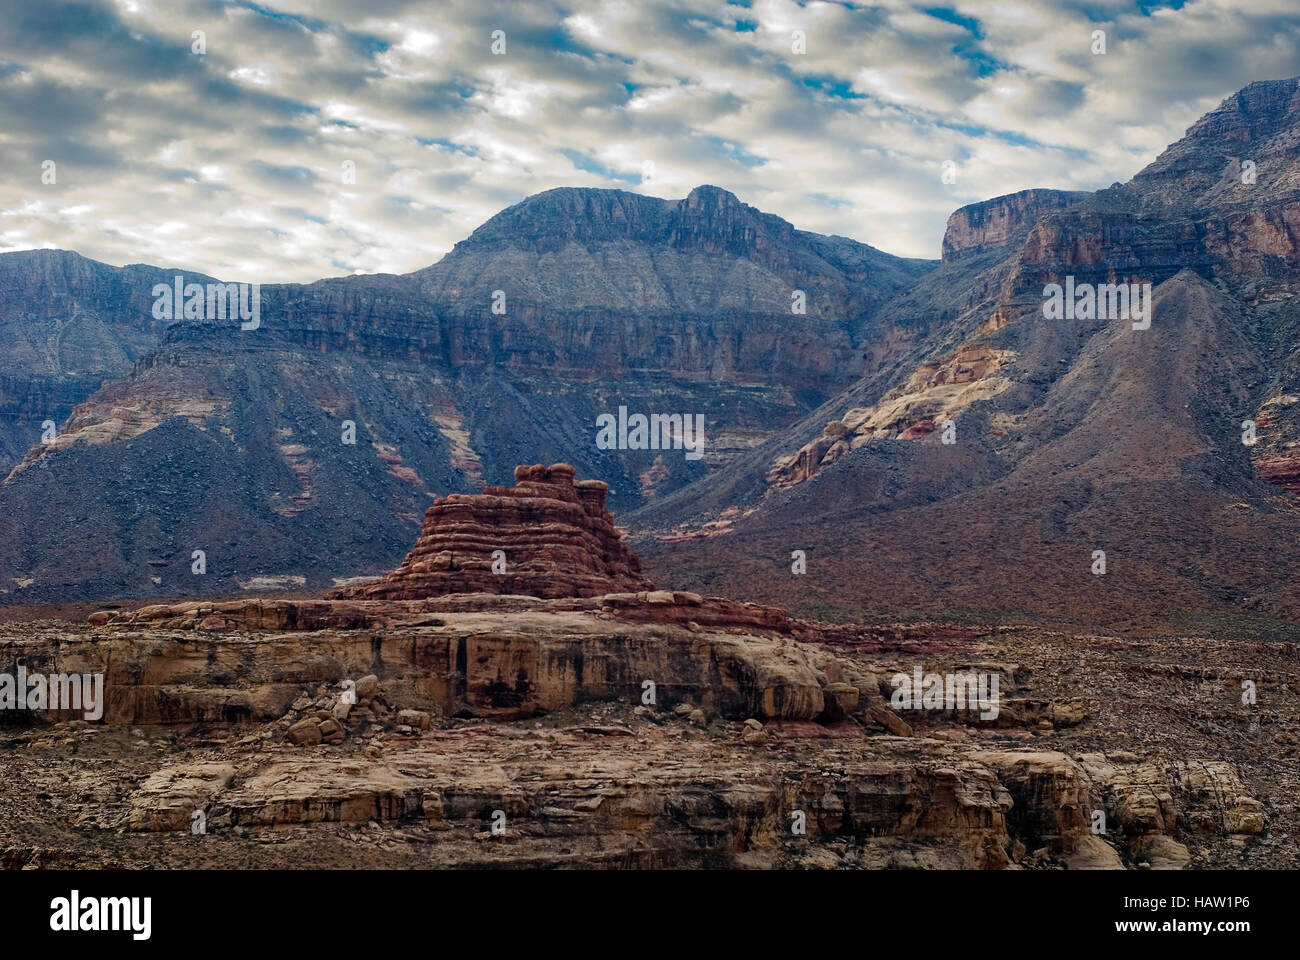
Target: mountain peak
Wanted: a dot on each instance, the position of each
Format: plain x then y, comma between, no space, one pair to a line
706,194
1263,96
586,216
1259,124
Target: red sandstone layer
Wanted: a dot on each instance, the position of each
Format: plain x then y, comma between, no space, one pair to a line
554,536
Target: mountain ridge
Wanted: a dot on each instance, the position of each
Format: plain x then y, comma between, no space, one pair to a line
825,434
871,472
443,393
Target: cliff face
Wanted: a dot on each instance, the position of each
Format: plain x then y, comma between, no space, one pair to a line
1223,201
63,314
1000,222
67,325
603,283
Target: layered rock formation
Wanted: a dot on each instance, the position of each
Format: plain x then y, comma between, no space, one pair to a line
481,655
67,325
609,299
938,391
980,227
639,730
548,536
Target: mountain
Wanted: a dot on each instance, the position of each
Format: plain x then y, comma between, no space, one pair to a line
1069,436
937,438
67,324
198,435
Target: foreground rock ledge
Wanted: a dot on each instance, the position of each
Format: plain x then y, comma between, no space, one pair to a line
462,706
568,798
479,654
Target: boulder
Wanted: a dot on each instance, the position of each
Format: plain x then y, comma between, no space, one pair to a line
305,732
332,731
367,687
417,719
840,699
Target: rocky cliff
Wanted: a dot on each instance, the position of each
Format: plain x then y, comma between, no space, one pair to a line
639,730
67,325
980,227
547,536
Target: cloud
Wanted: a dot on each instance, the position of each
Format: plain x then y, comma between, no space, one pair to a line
325,137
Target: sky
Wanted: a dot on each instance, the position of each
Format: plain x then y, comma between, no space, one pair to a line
287,141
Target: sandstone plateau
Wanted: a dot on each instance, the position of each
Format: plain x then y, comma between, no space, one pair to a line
390,733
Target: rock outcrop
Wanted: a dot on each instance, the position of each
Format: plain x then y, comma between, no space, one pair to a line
937,391
484,730
1000,222
67,325
547,536
480,655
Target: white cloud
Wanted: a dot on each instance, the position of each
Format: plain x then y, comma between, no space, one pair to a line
240,153
263,75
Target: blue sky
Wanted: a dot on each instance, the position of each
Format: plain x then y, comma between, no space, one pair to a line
839,117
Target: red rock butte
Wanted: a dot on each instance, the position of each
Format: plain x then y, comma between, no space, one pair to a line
557,537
